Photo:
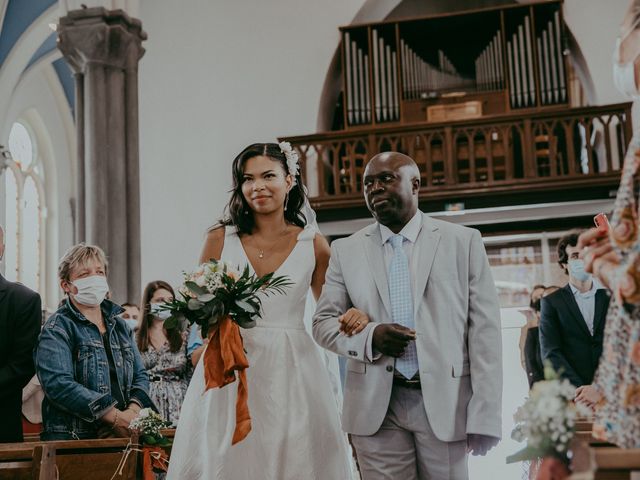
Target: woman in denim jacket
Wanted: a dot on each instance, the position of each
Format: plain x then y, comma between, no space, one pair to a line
86,358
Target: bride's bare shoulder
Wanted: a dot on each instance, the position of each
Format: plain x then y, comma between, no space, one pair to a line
213,244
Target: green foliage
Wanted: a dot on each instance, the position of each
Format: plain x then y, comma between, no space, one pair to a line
222,292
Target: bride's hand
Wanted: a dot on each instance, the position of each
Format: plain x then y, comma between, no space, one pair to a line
353,321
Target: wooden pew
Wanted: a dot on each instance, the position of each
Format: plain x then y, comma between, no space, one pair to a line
96,459
605,463
72,459
22,461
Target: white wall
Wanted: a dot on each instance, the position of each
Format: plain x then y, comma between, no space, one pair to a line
595,25
216,77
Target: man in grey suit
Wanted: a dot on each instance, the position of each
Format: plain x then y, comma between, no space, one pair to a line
424,377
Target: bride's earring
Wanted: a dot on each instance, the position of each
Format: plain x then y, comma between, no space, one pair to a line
286,201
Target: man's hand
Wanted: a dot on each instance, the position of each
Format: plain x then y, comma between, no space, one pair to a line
353,321
392,339
587,395
478,444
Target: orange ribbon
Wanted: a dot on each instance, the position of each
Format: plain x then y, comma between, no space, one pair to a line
223,356
153,458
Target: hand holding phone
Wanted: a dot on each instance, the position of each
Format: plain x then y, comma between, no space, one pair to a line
601,222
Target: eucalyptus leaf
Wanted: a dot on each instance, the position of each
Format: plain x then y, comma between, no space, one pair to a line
206,297
246,306
195,288
246,322
194,304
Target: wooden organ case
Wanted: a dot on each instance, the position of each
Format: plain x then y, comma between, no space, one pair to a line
455,66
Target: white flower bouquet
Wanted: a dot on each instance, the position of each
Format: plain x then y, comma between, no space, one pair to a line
547,419
215,290
148,425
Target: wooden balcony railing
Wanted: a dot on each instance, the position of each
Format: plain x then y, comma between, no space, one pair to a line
507,153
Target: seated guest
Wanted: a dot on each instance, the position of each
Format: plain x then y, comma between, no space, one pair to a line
531,349
572,320
86,359
164,352
131,315
19,327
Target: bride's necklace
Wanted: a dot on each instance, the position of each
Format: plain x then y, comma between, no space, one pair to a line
261,251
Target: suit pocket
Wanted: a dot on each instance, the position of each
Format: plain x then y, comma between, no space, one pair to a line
460,369
356,367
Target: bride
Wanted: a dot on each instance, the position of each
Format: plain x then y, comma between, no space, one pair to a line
295,427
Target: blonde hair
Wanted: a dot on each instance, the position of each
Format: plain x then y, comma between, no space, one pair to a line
78,255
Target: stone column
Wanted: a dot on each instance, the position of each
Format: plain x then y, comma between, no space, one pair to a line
103,47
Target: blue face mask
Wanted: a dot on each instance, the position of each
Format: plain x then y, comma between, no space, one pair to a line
576,269
132,322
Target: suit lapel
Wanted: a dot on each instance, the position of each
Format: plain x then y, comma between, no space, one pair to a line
374,251
572,306
3,286
602,302
425,249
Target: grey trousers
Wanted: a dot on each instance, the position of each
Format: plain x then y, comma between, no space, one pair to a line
405,447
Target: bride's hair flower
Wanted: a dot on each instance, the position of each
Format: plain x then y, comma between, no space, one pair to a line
292,159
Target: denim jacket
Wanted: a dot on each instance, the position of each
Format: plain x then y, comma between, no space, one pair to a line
71,363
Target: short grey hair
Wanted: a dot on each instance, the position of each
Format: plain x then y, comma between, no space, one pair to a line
79,255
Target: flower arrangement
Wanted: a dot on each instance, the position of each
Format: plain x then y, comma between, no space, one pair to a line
292,158
547,419
216,290
148,425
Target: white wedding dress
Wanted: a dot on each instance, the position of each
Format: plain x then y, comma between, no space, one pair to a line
295,426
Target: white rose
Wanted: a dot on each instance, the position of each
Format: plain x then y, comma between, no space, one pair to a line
285,147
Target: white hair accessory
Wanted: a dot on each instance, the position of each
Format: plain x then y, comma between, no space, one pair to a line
292,159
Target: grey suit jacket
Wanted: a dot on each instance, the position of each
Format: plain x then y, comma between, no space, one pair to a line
457,319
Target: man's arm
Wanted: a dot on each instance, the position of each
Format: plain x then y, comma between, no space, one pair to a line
484,412
551,342
15,374
333,302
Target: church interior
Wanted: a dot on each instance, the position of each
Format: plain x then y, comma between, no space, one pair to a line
120,119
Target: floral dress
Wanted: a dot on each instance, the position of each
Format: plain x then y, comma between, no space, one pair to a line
168,379
617,416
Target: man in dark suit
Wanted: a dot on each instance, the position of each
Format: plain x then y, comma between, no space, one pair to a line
572,323
20,319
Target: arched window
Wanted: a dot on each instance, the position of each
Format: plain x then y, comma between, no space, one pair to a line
24,208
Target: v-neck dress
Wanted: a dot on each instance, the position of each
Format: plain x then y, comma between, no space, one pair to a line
296,431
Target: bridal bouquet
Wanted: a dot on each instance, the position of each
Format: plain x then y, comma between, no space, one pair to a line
220,300
546,420
216,290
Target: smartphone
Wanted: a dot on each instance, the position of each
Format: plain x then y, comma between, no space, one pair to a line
601,221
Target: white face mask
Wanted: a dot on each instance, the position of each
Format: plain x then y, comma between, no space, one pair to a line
624,74
91,290
154,308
